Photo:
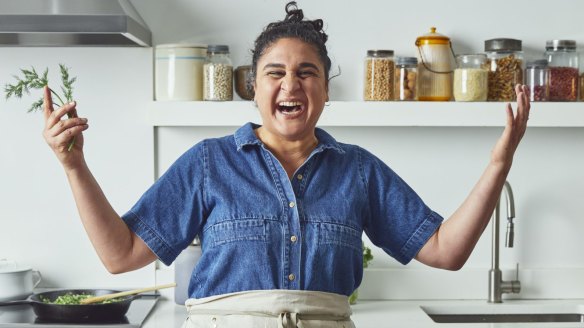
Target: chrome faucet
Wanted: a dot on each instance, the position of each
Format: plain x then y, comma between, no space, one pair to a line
497,287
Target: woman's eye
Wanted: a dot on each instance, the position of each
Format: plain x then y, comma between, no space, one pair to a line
276,74
307,73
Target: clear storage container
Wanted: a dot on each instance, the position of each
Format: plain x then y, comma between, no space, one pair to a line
505,62
379,68
471,78
563,67
406,76
218,74
537,79
178,72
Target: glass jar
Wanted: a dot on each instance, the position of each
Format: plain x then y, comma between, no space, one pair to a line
437,64
218,74
582,87
563,66
379,67
471,78
537,79
406,75
505,63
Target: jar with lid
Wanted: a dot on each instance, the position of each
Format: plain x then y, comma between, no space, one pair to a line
406,76
178,72
563,66
537,77
436,59
471,78
582,87
218,74
505,62
379,67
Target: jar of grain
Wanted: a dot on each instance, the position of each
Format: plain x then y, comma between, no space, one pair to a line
406,76
505,62
537,77
218,74
563,65
471,78
178,72
379,71
437,64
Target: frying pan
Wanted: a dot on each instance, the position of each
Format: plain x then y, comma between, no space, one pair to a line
108,312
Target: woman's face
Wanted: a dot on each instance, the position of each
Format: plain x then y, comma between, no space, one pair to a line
290,89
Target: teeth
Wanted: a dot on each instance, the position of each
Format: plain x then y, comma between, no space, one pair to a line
290,103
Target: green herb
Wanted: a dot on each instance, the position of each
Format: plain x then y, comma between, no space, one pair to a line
367,256
75,299
32,80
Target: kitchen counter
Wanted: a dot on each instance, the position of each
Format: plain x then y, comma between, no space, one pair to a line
370,314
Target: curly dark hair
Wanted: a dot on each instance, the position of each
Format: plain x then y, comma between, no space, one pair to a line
293,26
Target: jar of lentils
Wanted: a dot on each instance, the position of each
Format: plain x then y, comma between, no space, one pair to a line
379,71
471,78
406,76
563,65
505,63
218,74
537,77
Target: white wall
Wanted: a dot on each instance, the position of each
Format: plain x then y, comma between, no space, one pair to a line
442,164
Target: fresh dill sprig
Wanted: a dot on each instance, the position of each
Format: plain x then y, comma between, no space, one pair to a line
32,80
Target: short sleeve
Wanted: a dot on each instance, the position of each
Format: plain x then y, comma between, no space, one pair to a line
170,213
399,221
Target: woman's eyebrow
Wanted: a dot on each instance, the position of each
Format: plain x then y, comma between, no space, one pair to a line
302,65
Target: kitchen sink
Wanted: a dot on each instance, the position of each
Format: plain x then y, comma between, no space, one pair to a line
510,312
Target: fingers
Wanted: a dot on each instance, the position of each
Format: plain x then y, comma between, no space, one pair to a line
67,126
55,116
47,102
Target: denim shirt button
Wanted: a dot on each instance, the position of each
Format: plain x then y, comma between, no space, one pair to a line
299,177
291,204
291,277
293,238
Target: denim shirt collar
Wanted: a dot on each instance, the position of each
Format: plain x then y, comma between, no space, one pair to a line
245,136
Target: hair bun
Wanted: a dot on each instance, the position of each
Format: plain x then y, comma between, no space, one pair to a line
293,14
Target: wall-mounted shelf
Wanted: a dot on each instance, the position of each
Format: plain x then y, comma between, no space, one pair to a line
360,113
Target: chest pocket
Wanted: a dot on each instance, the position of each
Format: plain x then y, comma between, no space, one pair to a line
237,231
340,235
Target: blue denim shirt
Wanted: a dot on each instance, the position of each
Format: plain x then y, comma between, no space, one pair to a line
260,229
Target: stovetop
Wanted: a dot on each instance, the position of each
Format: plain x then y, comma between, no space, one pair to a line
23,316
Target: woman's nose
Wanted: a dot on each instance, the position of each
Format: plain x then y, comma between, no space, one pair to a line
290,83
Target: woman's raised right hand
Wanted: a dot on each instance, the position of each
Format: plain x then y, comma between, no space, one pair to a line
60,130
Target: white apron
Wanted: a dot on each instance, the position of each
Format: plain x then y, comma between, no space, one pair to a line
270,309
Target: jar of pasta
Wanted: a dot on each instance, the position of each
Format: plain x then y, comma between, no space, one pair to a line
379,71
218,74
537,77
563,66
505,63
406,76
471,78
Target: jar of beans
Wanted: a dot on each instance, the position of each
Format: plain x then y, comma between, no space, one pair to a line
537,77
471,78
563,65
406,76
379,71
505,62
218,74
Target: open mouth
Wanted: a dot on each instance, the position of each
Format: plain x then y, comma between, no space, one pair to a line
290,107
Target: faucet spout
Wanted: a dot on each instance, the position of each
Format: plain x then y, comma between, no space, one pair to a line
497,287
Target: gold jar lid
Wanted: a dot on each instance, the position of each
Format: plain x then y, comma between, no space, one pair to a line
432,38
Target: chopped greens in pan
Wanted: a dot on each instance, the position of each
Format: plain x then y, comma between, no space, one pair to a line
75,299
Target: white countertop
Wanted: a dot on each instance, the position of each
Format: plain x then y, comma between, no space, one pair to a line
370,314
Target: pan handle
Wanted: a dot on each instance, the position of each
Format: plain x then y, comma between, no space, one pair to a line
20,302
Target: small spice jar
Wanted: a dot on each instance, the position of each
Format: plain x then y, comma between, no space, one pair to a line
505,62
563,66
471,78
537,77
406,76
379,71
218,74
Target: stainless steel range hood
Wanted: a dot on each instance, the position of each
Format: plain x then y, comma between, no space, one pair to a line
56,23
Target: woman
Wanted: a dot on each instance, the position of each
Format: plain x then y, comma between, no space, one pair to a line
281,207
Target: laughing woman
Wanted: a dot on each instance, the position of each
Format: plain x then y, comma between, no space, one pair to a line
280,207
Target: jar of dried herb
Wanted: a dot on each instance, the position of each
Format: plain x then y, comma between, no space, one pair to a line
505,63
379,71
563,65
